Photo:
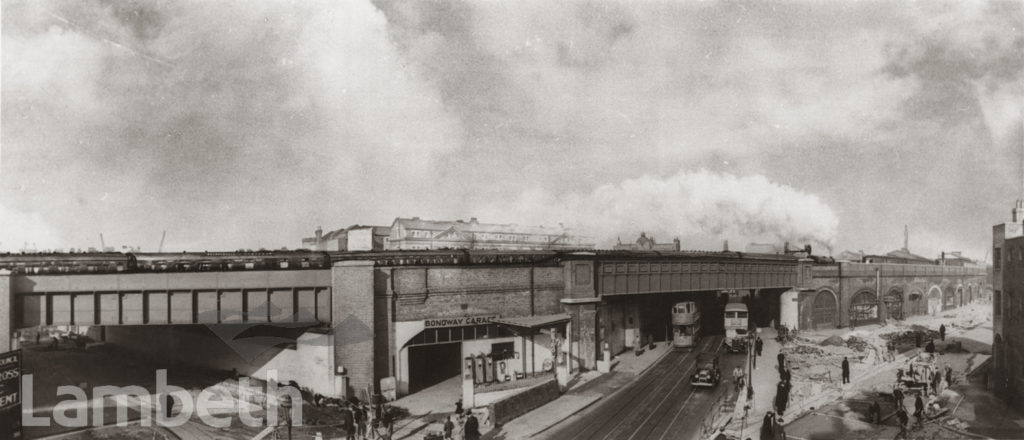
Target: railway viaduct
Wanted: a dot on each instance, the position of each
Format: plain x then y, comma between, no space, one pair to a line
392,314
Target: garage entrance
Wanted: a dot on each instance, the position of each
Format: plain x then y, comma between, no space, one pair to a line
825,307
432,364
894,304
863,309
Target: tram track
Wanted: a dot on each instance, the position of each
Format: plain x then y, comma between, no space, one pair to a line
661,404
623,406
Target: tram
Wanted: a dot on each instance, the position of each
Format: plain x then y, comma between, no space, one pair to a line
736,316
685,324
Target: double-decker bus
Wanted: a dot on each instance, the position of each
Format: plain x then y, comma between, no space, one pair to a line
685,324
736,316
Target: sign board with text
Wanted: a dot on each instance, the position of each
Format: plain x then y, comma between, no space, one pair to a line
10,395
459,321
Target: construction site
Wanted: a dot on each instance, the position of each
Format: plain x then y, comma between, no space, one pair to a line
891,365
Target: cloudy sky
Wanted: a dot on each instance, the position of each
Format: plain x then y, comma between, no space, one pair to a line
247,124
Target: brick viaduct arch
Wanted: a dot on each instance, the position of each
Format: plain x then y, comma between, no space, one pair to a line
825,309
934,300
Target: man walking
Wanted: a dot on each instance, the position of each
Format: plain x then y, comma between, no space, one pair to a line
901,414
942,332
768,426
846,370
758,345
471,431
897,396
875,412
781,397
350,423
448,428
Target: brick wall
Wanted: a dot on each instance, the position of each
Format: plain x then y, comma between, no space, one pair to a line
504,410
352,308
424,293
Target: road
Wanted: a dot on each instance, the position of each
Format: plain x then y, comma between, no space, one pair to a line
660,404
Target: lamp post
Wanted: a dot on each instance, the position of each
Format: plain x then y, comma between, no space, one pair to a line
750,364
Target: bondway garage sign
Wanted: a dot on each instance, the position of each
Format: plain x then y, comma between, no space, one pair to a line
10,395
459,321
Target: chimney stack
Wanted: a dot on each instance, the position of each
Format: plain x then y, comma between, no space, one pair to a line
319,233
725,246
1018,211
906,238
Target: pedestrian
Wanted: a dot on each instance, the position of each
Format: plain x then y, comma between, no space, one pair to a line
930,348
875,412
360,417
846,370
471,431
949,375
917,339
782,360
780,431
768,426
758,345
448,428
897,396
942,332
637,348
389,422
781,398
37,338
350,423
901,414
737,377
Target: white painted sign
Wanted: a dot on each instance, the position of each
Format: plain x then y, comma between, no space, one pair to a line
459,321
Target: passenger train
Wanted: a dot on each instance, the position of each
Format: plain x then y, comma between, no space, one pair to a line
111,262
685,324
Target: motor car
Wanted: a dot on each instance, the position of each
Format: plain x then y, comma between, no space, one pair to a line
707,373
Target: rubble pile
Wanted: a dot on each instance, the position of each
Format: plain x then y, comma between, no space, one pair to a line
856,343
834,340
907,337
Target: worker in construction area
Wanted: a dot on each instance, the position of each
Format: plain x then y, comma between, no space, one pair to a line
875,412
918,410
846,370
901,414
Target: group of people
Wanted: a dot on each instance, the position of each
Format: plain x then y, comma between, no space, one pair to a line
469,423
771,427
366,423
